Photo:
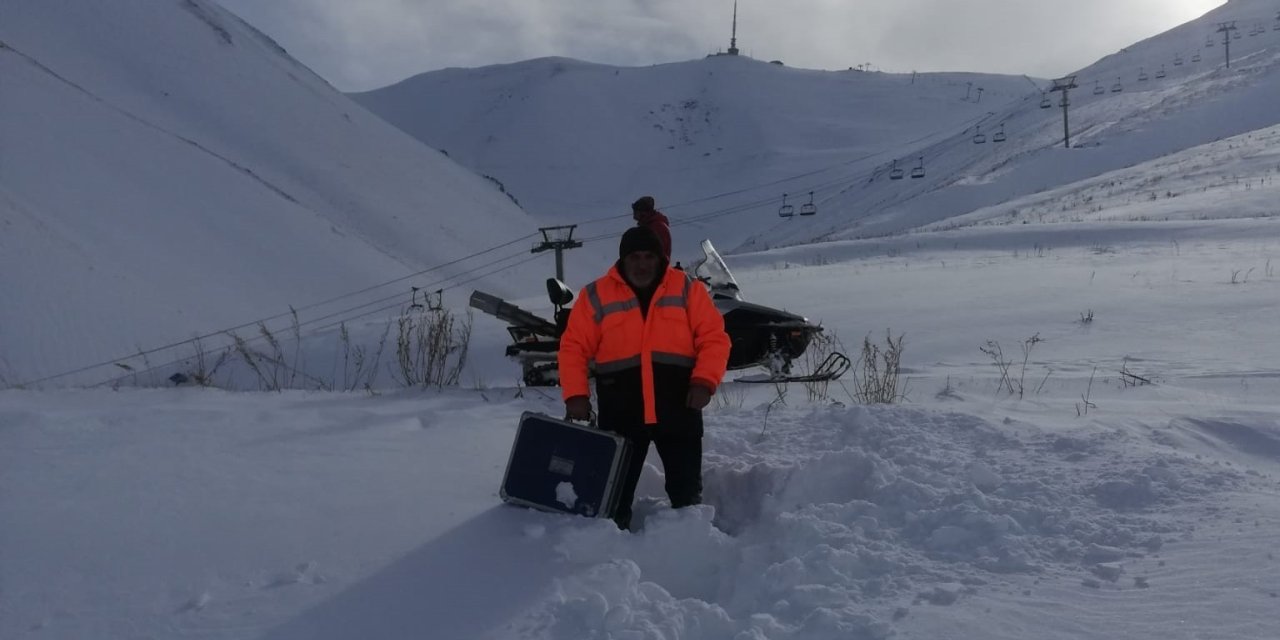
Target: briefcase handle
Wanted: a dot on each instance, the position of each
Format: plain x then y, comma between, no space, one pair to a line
591,420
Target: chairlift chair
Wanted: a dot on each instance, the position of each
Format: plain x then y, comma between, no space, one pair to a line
1097,88
809,208
999,135
1142,75
1160,74
1063,102
896,173
979,137
918,172
1117,87
1236,34
1208,42
1196,57
786,210
1177,60
1044,102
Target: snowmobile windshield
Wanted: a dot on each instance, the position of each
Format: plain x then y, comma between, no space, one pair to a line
713,271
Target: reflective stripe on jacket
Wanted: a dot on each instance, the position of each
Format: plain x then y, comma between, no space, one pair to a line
682,331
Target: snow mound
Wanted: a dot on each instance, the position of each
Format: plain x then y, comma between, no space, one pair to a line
830,532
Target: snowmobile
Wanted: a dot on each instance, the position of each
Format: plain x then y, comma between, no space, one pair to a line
761,336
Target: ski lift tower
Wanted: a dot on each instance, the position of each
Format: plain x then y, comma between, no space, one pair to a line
1225,28
1065,85
557,238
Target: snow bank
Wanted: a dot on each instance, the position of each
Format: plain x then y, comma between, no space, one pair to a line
829,523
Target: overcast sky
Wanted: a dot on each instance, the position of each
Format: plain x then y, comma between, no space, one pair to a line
365,44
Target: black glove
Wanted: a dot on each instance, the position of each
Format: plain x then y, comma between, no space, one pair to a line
699,397
577,408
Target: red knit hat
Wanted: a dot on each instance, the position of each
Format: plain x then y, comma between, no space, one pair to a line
643,204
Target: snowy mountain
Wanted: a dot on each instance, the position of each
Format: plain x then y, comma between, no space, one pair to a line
236,144
578,142
1162,95
719,140
168,171
1087,444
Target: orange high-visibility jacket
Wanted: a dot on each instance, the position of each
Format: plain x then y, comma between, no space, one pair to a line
682,328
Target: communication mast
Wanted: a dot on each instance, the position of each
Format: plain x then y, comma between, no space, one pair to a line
733,35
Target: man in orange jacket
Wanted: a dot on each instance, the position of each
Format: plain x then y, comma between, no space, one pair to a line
660,351
645,214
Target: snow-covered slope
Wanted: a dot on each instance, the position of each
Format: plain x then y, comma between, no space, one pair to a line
1130,492
1159,96
166,170
721,139
578,141
1230,178
1110,472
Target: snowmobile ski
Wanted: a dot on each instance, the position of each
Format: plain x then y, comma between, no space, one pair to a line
831,368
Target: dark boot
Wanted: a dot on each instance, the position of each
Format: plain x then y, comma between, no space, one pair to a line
630,478
623,518
681,454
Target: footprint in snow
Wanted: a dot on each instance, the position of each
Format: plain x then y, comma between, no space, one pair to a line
197,603
303,573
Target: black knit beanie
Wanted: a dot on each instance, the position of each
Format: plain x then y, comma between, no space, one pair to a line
643,204
639,239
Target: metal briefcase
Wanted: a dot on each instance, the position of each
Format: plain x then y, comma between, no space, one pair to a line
557,465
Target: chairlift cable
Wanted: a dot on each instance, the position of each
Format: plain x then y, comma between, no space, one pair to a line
278,316
783,180
845,181
426,286
491,272
339,321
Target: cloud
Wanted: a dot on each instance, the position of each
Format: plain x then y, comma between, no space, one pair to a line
372,43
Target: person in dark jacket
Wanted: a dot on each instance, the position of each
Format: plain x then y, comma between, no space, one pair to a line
660,350
646,215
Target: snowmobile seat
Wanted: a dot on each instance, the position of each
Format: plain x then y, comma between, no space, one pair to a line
560,294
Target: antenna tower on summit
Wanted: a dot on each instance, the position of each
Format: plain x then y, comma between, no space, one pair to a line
733,36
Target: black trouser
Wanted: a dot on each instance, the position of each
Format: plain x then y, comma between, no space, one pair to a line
681,453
